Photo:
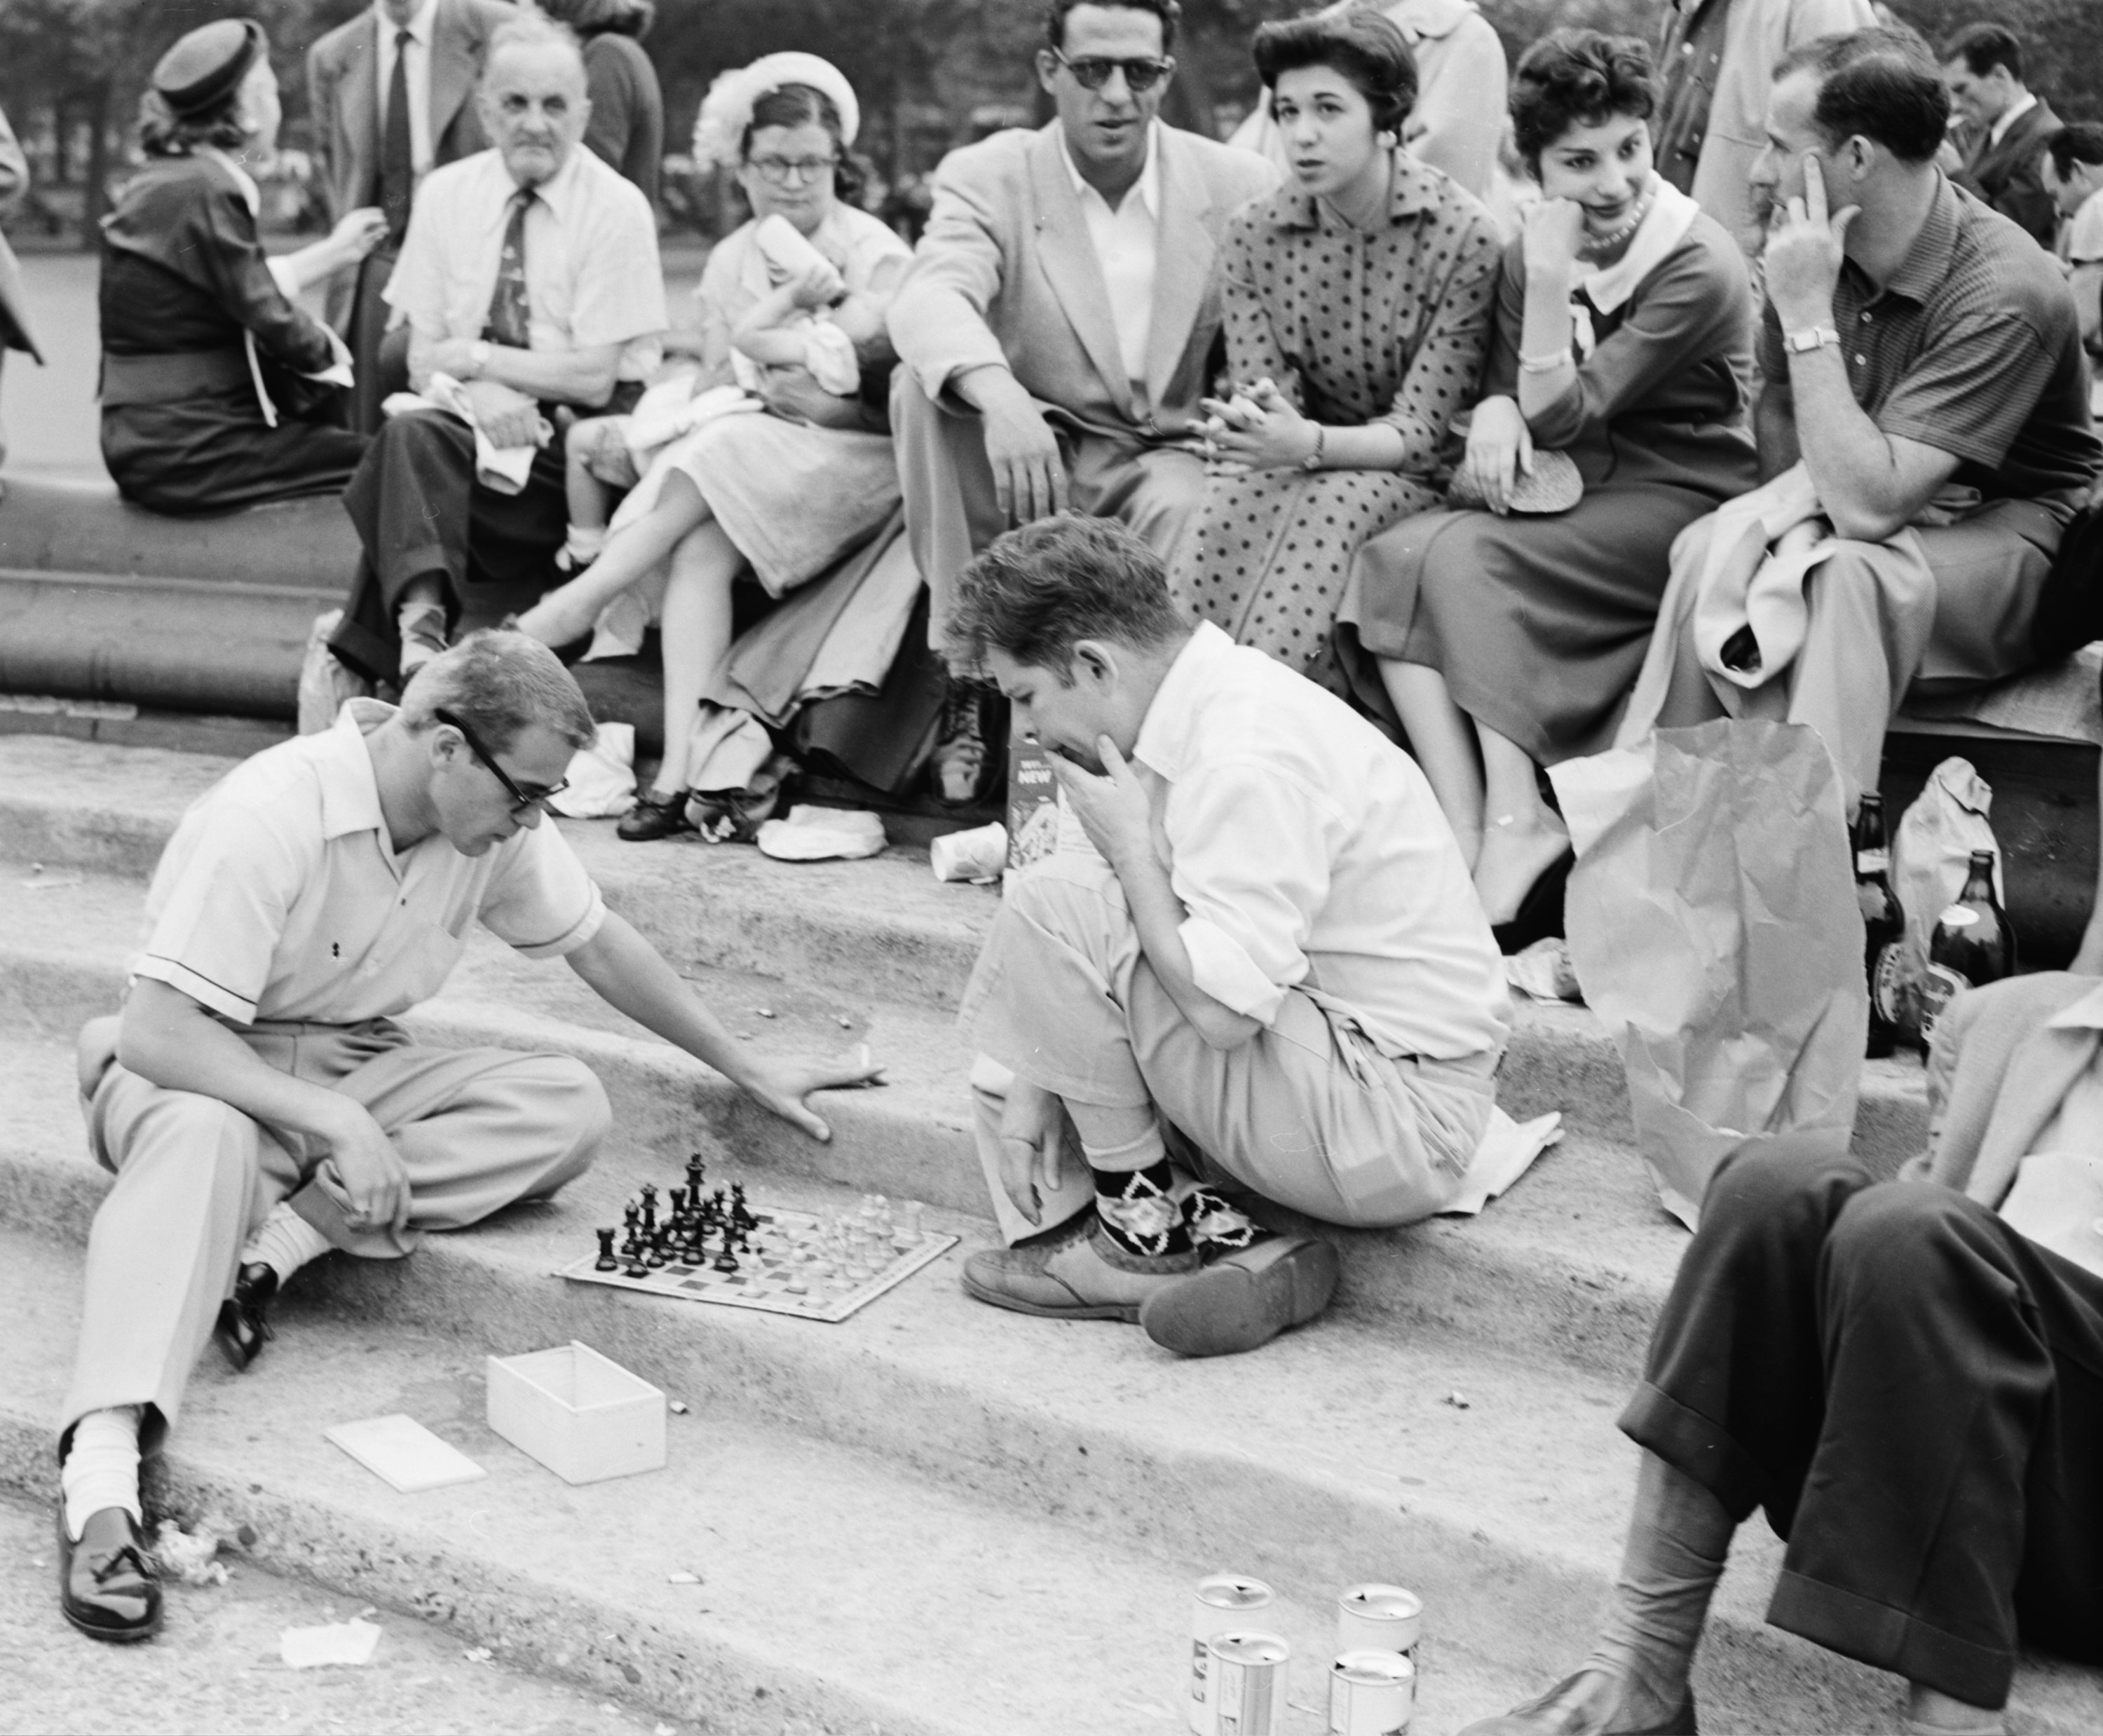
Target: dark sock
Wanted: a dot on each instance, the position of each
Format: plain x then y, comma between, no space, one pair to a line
1216,1225
1137,1212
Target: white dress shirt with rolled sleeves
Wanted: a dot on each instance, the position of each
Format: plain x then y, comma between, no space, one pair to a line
1311,856
1127,243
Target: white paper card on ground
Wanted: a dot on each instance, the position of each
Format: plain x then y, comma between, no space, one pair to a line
339,1642
1507,1152
406,1453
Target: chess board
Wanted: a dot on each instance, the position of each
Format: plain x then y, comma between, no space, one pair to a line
764,1274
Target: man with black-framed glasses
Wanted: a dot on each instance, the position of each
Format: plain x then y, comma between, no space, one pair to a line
1059,322
256,1100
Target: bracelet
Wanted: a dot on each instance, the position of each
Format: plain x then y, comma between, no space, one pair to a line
1313,461
1545,364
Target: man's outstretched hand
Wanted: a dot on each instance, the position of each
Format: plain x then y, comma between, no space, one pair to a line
780,1087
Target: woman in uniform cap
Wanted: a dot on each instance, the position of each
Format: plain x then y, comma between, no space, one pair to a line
218,391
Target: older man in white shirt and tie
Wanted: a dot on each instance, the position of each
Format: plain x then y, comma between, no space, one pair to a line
531,282
1275,974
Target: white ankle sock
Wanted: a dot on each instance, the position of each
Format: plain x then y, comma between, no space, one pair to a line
102,1467
285,1241
1680,1537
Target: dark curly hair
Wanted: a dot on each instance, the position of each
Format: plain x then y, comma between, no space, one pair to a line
162,134
1362,44
1170,12
1036,592
804,105
1578,77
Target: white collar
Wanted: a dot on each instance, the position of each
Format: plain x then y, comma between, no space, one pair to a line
561,190
1164,740
1147,185
1664,225
2085,1014
419,27
2009,116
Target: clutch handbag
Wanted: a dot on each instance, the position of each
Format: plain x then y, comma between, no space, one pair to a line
1555,487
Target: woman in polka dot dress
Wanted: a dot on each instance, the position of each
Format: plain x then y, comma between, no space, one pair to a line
1357,307
1506,639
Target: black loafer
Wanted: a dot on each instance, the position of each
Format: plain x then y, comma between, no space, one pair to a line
106,1590
244,1328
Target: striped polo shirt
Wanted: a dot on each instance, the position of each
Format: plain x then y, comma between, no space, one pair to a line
1972,348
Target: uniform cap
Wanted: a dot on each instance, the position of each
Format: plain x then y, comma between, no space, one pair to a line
208,63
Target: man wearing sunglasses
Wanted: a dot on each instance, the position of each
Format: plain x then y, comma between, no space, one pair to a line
257,1101
1058,324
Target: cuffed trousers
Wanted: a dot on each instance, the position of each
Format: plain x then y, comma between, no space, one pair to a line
1912,1391
421,514
1306,1112
951,510
477,1130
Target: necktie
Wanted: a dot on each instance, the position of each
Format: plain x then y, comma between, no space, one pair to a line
398,162
509,311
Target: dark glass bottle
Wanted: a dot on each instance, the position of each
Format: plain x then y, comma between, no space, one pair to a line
1972,944
1883,928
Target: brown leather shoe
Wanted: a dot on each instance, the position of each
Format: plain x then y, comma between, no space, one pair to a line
1582,1705
106,1590
1082,1275
1244,1299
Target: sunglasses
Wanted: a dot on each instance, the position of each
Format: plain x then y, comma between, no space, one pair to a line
521,799
1091,74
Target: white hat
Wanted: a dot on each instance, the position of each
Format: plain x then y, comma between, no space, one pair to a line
726,110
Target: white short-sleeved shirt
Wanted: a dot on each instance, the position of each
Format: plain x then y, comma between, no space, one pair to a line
1311,855
280,898
593,274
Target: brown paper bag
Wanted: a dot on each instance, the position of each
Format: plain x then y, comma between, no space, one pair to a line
1713,924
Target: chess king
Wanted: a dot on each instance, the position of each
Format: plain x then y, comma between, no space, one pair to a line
257,1103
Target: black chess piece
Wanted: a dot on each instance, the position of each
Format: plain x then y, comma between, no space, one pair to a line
740,1213
606,1262
657,1256
727,1261
649,1209
632,1243
691,1252
678,1195
696,1174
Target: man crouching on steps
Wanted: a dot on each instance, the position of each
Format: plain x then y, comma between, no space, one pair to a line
257,1087
1277,960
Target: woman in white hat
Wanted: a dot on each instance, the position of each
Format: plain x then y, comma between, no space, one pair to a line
787,493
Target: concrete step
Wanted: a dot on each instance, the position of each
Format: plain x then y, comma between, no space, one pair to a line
882,929
1573,1262
837,1592
1495,1485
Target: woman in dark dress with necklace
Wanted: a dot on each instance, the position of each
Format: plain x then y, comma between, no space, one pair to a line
1623,341
218,391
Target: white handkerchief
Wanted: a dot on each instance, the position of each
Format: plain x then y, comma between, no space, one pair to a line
404,1452
339,1642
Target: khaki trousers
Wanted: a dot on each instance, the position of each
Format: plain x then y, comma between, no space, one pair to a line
477,1128
1306,1112
952,512
1872,637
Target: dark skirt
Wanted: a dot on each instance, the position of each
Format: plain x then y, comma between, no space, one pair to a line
1538,623
215,453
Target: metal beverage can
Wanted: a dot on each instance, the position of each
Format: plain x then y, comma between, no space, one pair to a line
1224,1603
1379,1618
1246,1673
1372,1693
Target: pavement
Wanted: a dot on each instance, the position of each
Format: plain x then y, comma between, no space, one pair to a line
217,1666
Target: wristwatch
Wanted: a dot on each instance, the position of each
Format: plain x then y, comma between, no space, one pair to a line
478,354
1811,337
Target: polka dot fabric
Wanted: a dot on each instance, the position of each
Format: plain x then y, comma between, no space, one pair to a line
1387,325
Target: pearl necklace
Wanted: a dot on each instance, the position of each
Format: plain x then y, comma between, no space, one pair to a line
1599,246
